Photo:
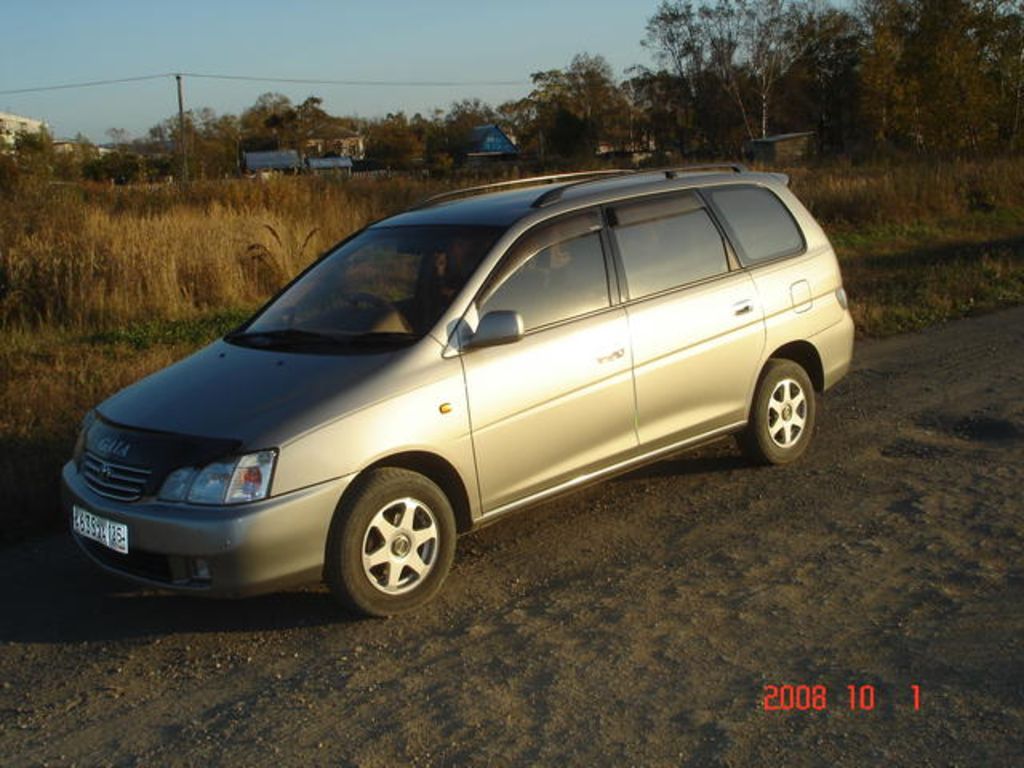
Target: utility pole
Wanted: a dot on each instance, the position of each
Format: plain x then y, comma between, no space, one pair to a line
182,144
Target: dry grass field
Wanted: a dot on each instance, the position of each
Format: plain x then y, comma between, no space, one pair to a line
100,285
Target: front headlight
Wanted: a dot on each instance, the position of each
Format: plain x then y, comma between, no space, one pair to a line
234,481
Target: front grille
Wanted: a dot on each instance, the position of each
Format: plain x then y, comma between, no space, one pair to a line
147,565
114,481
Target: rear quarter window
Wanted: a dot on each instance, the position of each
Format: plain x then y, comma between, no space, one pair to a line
760,226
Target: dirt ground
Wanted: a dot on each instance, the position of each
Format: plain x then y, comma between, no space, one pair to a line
637,623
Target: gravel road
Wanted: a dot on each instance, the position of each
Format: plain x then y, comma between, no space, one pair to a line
636,623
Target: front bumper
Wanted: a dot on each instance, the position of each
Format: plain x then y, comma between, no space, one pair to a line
227,551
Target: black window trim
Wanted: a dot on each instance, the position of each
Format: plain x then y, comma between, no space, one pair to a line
732,262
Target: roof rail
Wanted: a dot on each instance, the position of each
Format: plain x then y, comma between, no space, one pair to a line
580,176
671,173
554,195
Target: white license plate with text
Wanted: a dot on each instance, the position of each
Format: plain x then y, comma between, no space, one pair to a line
106,532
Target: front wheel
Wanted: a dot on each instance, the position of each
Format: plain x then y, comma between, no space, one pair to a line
781,415
391,543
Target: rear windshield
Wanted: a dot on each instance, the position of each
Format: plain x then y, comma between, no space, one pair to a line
759,224
386,280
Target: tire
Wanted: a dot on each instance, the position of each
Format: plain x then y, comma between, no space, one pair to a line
782,415
391,543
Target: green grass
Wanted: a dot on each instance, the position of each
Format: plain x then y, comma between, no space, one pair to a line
905,277
192,331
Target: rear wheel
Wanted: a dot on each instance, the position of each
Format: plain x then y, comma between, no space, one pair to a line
781,416
391,543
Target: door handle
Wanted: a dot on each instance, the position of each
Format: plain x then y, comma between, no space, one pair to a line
742,307
612,356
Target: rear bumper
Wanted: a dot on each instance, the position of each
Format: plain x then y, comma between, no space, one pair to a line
835,346
215,551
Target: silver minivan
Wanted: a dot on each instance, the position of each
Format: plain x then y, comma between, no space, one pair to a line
461,360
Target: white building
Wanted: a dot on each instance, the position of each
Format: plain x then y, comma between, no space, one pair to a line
12,125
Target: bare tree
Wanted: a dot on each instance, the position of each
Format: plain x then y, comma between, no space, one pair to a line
772,46
118,136
753,38
725,26
677,40
749,45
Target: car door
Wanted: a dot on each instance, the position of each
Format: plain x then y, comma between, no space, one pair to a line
696,325
558,402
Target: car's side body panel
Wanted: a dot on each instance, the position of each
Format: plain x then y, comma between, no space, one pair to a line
559,399
695,353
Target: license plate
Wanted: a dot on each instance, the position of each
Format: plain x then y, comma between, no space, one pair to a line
106,532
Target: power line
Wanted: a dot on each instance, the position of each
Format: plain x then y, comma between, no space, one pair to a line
257,79
178,76
402,83
89,84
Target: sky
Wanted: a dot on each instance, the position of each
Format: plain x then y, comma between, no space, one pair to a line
56,42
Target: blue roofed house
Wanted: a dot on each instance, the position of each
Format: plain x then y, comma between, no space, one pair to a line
489,143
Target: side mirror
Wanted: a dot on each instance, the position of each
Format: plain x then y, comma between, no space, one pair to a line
499,327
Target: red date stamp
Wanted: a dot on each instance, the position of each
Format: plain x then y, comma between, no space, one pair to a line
818,698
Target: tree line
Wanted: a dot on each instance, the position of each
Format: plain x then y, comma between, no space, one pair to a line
934,76
875,77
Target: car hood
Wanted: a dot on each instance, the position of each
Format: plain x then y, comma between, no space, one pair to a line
258,397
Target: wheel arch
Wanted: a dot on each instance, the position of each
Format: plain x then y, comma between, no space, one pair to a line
806,355
436,469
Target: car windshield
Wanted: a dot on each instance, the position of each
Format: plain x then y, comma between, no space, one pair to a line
385,284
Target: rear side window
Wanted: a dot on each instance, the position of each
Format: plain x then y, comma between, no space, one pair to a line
667,243
760,225
555,273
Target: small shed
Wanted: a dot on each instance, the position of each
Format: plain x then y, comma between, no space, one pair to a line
781,148
335,165
489,142
281,160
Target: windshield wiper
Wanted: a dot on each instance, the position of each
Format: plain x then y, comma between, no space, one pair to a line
284,336
298,336
378,337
